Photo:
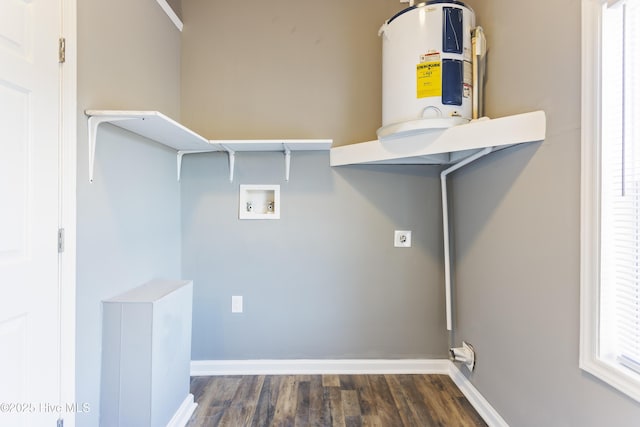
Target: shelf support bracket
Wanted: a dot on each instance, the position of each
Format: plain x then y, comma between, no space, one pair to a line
92,126
287,162
445,227
182,153
232,160
179,161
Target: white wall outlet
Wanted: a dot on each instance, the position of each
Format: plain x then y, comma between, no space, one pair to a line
236,304
402,239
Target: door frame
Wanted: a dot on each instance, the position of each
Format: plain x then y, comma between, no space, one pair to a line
67,215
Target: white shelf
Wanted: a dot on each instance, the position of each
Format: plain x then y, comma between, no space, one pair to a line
153,125
445,146
166,131
281,145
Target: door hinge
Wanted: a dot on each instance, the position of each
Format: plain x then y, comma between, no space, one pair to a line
60,423
61,49
60,240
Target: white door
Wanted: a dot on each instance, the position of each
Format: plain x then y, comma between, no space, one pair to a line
29,212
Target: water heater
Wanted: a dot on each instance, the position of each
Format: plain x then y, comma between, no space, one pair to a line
428,68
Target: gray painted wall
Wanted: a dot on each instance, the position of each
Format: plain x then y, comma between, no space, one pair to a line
129,218
517,222
324,281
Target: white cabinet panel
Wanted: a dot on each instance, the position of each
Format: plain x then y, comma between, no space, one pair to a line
146,354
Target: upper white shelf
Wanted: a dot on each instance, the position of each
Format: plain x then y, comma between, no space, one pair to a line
166,131
445,146
153,125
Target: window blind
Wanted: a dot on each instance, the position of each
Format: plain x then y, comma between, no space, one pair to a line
620,181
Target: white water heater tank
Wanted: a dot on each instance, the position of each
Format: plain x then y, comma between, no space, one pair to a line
426,68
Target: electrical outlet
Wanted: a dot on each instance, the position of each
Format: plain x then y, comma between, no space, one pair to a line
402,239
236,304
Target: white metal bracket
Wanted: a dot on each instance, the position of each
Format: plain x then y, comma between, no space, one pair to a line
93,123
232,164
445,227
182,153
287,162
232,160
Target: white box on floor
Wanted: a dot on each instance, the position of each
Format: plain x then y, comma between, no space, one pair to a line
146,356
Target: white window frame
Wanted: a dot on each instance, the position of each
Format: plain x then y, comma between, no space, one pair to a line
618,377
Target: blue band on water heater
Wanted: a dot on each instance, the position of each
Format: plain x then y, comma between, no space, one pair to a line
452,37
452,69
452,75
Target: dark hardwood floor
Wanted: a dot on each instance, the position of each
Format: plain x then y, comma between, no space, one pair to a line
331,400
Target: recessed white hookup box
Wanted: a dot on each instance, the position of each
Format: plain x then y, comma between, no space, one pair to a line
259,202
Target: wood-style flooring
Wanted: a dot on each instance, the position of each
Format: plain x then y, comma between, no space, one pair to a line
331,400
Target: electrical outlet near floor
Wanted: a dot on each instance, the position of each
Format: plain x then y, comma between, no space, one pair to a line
402,239
236,304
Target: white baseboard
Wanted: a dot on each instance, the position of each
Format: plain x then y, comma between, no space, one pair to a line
319,366
353,367
484,408
184,412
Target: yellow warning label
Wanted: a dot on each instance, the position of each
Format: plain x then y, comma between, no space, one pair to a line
428,79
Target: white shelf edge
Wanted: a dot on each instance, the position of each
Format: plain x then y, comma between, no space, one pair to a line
472,137
275,144
115,115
